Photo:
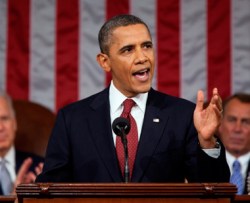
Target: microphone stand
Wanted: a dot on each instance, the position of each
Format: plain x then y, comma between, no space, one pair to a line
125,146
121,127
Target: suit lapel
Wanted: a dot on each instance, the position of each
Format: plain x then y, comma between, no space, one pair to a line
100,128
152,130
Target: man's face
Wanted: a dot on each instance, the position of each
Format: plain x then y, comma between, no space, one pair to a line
235,127
131,59
8,127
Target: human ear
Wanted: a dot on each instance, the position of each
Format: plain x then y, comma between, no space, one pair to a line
103,61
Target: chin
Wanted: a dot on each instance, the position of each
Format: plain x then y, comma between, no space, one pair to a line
143,90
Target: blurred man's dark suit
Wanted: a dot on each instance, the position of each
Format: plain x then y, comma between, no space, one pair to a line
21,156
246,183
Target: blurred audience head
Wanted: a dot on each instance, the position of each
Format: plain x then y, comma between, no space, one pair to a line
8,124
234,130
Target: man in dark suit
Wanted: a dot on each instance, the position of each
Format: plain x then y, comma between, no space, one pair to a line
235,135
82,147
19,167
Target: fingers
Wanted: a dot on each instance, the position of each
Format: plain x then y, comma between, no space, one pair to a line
39,168
29,178
24,175
21,175
23,170
200,100
216,100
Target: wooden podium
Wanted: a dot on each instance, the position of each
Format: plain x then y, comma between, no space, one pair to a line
126,193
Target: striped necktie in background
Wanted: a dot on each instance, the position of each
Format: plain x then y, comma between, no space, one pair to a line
5,180
236,177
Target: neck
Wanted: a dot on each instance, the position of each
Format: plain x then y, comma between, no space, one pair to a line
3,152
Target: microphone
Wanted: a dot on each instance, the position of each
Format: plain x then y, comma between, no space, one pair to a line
121,127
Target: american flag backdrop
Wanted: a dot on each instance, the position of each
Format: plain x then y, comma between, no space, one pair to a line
48,48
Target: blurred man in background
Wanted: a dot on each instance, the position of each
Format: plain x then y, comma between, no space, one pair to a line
15,166
235,135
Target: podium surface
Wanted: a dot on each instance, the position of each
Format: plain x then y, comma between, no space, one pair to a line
126,193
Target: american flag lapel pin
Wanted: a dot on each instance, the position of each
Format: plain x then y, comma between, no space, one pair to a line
156,120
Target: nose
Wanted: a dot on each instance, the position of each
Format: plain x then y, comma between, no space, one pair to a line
237,126
141,56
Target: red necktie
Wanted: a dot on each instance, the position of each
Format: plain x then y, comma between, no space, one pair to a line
132,138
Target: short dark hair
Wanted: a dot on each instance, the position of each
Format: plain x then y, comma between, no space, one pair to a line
105,33
242,97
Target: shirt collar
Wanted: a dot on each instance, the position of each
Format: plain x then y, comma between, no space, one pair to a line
116,99
10,157
244,159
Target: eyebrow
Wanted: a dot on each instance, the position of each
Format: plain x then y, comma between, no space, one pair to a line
148,42
129,46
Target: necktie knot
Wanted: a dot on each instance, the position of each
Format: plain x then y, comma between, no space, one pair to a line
128,104
236,165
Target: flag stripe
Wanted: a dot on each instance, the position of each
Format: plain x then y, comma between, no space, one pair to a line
241,46
193,45
18,48
114,7
42,60
91,76
168,46
3,39
67,26
219,47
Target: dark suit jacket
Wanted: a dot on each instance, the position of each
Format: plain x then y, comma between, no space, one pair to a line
81,147
21,156
247,175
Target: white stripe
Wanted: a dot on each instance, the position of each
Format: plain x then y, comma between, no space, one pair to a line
42,74
241,46
146,10
3,42
92,77
193,48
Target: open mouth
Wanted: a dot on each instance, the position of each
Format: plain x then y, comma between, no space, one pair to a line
141,73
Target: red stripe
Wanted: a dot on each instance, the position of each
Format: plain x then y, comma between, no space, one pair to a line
67,40
168,46
219,47
18,48
113,8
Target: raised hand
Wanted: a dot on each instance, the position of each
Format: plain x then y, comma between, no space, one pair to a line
26,176
207,120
